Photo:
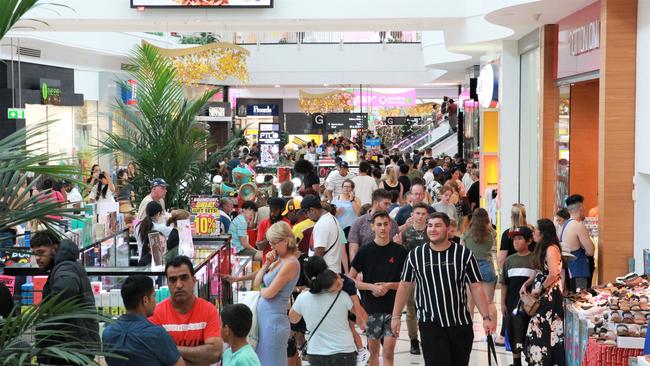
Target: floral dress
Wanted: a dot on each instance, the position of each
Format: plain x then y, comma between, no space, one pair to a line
544,345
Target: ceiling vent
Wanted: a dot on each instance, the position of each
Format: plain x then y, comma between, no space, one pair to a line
29,52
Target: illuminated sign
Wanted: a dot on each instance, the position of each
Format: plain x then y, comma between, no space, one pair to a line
201,3
487,87
50,92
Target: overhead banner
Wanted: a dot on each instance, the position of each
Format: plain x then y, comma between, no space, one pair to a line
398,121
382,98
202,3
346,121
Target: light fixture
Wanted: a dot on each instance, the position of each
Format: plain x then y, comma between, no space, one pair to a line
276,86
326,84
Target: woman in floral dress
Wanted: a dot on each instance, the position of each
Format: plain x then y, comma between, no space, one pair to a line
544,344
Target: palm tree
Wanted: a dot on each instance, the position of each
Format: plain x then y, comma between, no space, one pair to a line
161,133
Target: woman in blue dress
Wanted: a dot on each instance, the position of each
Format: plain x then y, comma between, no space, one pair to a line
278,277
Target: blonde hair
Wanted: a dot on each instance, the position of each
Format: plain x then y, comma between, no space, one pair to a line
281,231
391,175
178,215
518,216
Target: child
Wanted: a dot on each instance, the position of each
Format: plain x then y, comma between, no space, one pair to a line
236,322
517,269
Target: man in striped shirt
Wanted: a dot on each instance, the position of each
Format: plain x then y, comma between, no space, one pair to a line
442,270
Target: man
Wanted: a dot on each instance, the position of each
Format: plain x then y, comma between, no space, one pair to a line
414,236
276,206
474,191
286,190
239,231
67,279
467,177
364,184
417,194
428,156
452,109
326,236
404,178
380,263
574,238
133,336
361,231
442,272
72,194
334,181
225,208
192,322
158,192
413,171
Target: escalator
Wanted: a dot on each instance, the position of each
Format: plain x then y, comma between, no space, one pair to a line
427,136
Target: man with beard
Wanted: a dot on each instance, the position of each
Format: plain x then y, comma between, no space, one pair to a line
276,206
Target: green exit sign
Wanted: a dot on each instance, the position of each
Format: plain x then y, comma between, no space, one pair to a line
16,113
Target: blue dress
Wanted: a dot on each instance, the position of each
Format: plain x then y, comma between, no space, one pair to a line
274,326
346,219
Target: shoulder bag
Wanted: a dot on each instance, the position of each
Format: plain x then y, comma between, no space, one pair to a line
303,350
529,303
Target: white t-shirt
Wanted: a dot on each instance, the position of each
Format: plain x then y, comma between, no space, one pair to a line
142,209
428,177
333,336
326,234
74,196
467,180
363,187
334,182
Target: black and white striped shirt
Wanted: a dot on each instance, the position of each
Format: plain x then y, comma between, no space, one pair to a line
441,280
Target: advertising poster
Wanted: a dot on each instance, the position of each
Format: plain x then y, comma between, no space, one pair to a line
205,210
202,3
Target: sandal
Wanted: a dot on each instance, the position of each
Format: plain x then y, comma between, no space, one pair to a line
616,317
640,319
628,317
613,304
622,330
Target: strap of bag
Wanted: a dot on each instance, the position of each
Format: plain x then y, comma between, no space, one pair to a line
338,232
324,316
491,351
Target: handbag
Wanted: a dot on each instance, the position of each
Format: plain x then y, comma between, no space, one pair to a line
303,350
251,299
529,303
491,351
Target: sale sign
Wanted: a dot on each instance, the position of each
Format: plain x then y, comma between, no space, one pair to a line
204,204
205,210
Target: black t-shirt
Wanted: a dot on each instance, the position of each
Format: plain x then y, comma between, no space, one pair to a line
406,182
380,264
474,194
506,244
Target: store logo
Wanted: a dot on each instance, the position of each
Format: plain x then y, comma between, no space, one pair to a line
390,121
50,94
319,119
44,91
584,39
266,109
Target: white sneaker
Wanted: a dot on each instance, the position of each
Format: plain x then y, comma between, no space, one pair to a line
363,356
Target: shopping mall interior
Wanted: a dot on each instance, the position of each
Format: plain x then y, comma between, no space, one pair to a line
543,97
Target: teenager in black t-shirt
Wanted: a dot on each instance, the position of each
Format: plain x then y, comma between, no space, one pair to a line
380,263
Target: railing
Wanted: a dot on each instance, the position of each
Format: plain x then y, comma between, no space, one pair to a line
428,138
248,38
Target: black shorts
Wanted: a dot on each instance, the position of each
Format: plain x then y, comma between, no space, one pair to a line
299,327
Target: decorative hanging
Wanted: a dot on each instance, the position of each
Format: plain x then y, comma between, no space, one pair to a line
334,101
418,110
219,60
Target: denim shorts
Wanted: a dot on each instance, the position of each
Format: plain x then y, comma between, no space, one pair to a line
486,267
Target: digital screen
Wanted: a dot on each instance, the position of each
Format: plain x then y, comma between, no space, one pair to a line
202,3
346,121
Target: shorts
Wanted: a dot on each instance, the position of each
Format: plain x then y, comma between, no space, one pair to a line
339,359
486,267
299,327
378,326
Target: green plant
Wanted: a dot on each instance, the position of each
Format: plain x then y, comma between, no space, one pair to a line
50,319
11,11
201,39
161,133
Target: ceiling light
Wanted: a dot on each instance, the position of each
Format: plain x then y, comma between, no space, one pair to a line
326,84
276,86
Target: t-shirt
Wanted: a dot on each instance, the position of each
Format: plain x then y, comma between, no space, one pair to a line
380,263
516,270
302,231
74,196
334,182
405,212
363,187
191,329
481,249
237,230
142,209
449,209
474,194
406,182
412,238
244,356
333,336
143,343
262,228
361,231
326,234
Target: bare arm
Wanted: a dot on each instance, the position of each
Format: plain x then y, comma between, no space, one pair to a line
585,241
400,301
553,258
356,204
259,276
320,251
354,248
344,258
501,258
504,297
478,294
294,316
208,353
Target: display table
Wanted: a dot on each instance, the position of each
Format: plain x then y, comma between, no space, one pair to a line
599,354
576,336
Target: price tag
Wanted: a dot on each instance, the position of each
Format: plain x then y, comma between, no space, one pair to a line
206,224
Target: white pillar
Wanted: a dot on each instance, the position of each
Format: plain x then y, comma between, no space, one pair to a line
508,130
642,148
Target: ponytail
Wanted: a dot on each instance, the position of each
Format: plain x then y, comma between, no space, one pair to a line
322,281
146,225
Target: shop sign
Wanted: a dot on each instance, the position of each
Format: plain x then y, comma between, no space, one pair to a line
584,39
206,224
269,154
269,133
398,121
319,120
51,91
204,204
206,214
16,113
346,121
373,142
380,98
216,111
488,86
262,110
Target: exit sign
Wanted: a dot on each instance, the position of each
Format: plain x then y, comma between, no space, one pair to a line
16,113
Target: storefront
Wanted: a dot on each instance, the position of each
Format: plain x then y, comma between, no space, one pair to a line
252,112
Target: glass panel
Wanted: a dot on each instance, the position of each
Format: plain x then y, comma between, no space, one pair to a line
562,138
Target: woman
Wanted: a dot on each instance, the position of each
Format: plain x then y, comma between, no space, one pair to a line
103,191
517,219
279,275
544,343
347,206
331,342
125,191
390,183
131,171
480,238
94,175
149,225
172,223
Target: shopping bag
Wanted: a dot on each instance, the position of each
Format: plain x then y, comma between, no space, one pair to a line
251,299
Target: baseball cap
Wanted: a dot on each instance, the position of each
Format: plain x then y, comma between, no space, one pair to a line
310,201
159,182
276,202
437,170
292,205
521,230
344,164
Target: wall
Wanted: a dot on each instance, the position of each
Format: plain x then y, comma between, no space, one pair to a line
568,64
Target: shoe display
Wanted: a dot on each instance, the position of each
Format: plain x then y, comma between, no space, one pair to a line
415,347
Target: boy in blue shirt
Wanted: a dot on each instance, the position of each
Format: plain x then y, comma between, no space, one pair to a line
236,322
133,336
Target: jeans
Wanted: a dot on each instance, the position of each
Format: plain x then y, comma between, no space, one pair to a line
486,267
446,346
338,359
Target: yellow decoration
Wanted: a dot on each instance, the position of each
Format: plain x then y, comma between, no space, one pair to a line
219,60
419,110
335,101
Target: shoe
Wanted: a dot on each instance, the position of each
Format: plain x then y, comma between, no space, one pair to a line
500,341
363,356
415,347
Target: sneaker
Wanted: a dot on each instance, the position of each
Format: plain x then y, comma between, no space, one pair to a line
415,347
363,356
